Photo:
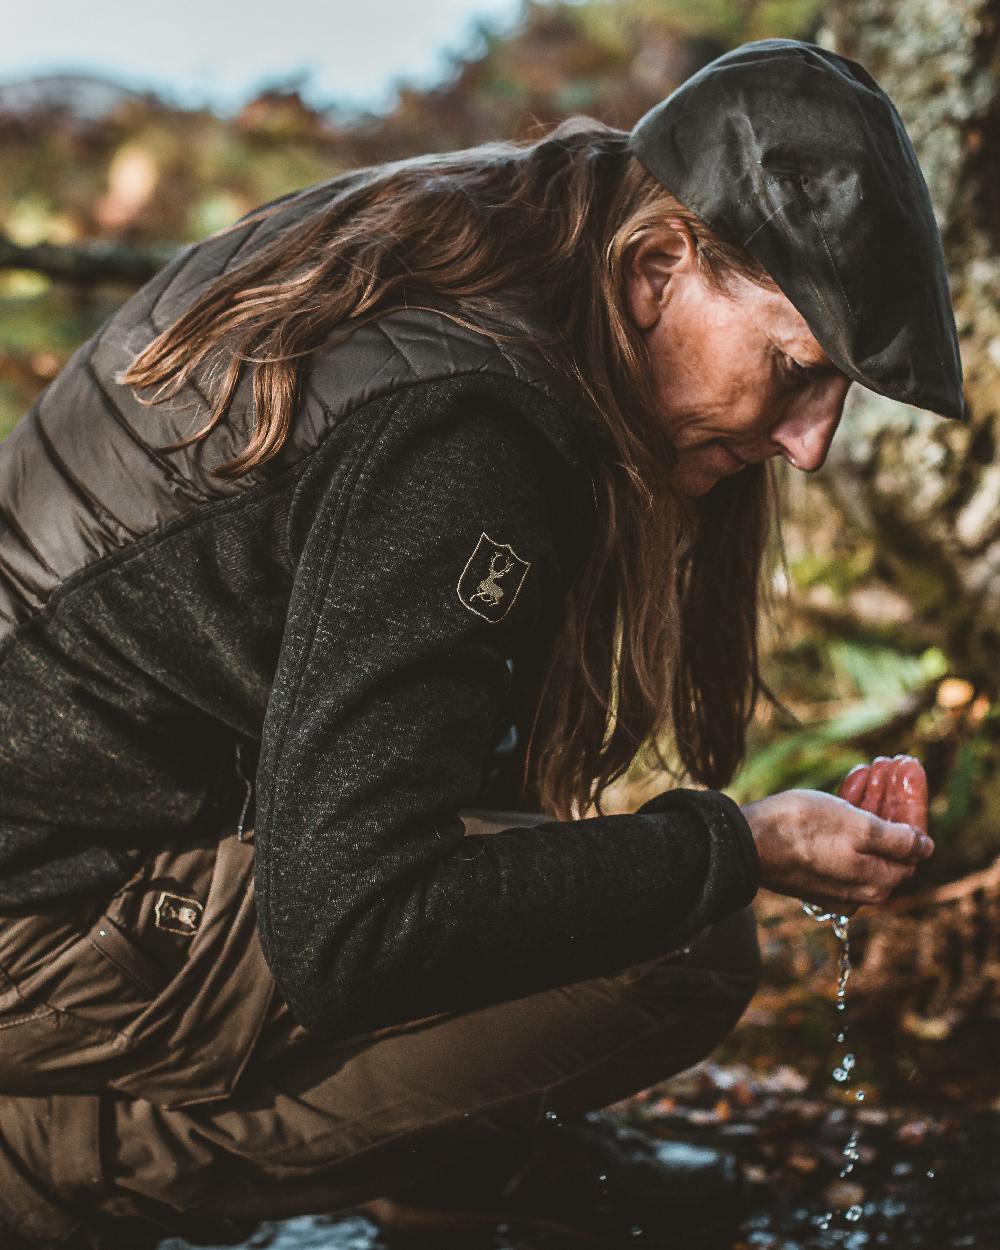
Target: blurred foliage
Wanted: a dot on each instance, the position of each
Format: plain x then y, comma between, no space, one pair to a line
93,161
872,686
866,654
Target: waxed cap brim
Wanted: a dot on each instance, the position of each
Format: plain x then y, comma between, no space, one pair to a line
796,155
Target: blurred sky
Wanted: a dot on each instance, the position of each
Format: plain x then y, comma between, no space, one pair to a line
219,51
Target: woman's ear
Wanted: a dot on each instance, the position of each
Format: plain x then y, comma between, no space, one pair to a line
659,257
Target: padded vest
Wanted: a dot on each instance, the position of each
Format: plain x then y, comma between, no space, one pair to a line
132,579
81,476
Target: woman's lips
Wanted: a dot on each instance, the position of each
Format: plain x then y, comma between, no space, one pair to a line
715,459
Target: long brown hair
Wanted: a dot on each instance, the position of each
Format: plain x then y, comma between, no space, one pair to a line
660,632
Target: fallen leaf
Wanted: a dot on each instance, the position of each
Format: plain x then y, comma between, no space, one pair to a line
843,1193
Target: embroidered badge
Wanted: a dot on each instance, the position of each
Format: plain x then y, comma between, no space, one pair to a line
178,914
491,579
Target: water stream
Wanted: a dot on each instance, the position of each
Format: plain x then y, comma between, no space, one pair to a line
842,1072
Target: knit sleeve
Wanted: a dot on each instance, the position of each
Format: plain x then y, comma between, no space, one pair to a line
428,564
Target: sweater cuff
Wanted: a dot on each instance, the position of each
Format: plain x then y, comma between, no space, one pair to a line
725,824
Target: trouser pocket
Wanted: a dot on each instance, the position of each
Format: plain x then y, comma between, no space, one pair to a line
196,1036
161,995
64,1008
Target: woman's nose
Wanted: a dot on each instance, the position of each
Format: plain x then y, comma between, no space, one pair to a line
804,434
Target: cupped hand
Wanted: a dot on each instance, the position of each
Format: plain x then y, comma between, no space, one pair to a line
839,853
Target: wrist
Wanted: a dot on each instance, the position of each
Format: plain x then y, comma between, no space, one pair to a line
766,818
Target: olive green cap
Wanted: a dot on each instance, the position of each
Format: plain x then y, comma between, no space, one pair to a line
795,154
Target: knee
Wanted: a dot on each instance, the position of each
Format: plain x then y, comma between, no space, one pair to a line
730,951
708,985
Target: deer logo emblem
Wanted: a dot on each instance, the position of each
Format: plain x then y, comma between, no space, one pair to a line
491,579
178,914
489,588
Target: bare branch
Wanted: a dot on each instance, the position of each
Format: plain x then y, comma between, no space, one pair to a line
86,264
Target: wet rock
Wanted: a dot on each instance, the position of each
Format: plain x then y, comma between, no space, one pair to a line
790,1160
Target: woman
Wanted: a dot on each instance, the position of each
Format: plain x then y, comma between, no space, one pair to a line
357,554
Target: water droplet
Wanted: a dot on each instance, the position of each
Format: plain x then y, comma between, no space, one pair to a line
931,1174
853,1213
603,1177
859,1096
840,1036
636,1230
552,1115
842,1073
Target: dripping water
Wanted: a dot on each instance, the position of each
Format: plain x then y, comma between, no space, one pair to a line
845,1067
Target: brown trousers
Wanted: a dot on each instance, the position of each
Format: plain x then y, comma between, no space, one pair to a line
149,1069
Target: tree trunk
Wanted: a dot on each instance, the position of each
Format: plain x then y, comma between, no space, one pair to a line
921,494
928,489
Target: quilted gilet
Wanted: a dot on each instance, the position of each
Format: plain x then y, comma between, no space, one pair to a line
143,598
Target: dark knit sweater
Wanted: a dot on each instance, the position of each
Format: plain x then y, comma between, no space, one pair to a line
369,612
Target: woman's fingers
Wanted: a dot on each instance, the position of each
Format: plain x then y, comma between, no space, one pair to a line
878,778
853,787
881,879
893,806
911,787
902,843
874,880
894,789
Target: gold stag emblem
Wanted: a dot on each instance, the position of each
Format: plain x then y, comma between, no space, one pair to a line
479,587
489,590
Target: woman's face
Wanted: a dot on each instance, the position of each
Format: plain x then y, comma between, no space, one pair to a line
739,377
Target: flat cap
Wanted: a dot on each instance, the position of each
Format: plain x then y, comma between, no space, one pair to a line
795,154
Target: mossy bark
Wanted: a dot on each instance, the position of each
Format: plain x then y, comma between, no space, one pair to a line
921,494
927,490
